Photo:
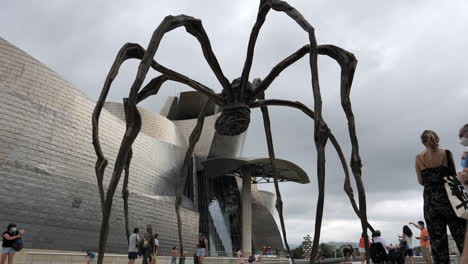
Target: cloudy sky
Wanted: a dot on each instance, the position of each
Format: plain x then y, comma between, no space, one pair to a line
411,76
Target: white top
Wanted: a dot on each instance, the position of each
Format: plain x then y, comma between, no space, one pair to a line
132,242
156,242
409,242
381,241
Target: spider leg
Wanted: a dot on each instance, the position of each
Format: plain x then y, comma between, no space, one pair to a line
320,132
263,85
125,193
128,51
195,28
271,153
193,139
262,13
347,186
348,62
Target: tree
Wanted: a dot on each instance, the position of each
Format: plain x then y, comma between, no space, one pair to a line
327,250
298,253
339,253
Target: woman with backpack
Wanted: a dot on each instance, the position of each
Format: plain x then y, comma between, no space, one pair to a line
432,166
147,245
8,247
407,245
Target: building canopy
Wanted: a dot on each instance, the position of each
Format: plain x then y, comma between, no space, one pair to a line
259,169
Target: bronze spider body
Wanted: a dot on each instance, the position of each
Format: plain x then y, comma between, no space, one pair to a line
236,100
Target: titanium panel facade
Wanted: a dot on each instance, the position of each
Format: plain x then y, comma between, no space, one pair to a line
48,178
47,164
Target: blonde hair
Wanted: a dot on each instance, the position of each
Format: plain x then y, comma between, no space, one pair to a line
430,139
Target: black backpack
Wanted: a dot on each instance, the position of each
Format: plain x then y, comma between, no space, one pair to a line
18,244
377,253
251,259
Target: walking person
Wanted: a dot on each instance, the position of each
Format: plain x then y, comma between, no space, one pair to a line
424,241
147,245
407,241
432,165
9,237
202,248
362,248
174,255
133,246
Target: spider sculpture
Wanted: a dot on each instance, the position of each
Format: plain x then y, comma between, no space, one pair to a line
236,101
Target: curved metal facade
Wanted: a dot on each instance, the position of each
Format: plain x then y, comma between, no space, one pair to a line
47,164
47,167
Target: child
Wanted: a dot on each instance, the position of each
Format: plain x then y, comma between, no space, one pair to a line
174,255
90,256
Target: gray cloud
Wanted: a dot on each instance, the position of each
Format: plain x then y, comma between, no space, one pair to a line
410,77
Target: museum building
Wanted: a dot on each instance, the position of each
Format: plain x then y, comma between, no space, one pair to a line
49,185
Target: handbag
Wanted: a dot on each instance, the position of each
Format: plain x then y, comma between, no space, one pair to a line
18,244
455,191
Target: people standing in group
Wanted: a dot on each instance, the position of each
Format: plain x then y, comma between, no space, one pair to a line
432,165
362,247
407,245
147,245
174,255
240,260
424,241
202,248
133,246
9,237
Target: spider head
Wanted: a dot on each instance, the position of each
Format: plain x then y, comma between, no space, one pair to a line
235,117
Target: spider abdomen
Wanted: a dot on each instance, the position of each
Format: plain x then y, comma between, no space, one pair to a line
233,121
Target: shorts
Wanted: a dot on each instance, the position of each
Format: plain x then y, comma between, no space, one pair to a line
409,253
362,250
426,253
201,252
8,250
132,255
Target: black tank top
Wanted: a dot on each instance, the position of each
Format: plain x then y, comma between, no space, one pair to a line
201,243
434,177
6,242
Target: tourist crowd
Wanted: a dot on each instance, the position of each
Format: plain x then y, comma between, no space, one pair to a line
435,171
445,205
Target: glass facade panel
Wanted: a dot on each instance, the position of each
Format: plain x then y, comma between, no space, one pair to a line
220,213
